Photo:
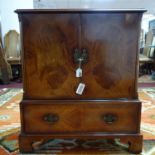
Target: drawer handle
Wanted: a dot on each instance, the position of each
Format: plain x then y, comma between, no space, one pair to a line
109,118
51,118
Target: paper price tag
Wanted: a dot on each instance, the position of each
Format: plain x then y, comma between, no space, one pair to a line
80,89
79,72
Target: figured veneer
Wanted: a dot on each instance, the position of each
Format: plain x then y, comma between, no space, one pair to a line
61,117
104,45
48,54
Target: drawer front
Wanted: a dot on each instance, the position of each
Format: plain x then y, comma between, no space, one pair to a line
81,117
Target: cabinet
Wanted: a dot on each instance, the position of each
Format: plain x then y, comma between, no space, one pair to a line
104,45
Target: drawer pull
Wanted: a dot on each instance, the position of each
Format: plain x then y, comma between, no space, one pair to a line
109,118
51,118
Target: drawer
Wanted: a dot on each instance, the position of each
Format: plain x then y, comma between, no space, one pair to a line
81,117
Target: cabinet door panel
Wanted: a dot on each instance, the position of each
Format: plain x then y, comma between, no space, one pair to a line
49,40
112,44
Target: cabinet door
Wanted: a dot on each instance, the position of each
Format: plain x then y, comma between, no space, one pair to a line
49,40
48,43
112,44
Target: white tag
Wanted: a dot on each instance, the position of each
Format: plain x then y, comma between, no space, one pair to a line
79,72
80,89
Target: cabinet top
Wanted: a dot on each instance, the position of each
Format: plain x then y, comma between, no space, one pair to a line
80,10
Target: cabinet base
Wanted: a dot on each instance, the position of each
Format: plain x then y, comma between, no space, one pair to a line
63,143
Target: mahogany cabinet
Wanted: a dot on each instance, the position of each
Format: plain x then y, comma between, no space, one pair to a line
80,78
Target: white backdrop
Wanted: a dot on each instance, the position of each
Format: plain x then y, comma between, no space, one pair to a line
147,4
9,19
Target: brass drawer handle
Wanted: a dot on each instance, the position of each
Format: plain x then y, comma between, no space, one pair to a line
109,118
51,118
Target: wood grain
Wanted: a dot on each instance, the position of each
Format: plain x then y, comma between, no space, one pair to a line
135,140
112,55
108,107
81,116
